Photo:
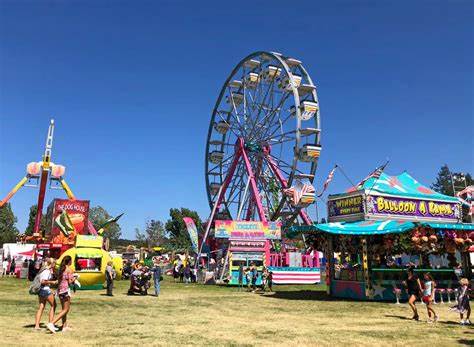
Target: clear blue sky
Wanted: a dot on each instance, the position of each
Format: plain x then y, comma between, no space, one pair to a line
132,86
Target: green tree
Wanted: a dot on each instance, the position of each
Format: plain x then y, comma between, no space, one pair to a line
176,228
98,216
31,221
154,234
8,230
446,179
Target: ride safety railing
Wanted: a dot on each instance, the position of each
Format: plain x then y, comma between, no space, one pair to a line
283,260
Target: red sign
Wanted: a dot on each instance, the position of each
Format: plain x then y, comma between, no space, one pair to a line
78,212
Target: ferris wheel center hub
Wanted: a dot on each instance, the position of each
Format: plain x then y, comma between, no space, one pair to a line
253,146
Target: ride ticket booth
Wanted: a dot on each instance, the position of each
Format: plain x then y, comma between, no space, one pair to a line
248,243
387,224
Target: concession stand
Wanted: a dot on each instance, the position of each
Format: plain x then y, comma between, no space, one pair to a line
386,224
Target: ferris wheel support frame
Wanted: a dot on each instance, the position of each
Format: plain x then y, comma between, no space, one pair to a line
240,152
284,184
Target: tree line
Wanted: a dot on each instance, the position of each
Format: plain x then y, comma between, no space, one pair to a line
173,234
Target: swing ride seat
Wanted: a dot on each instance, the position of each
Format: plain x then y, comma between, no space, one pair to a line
310,153
221,127
33,181
55,183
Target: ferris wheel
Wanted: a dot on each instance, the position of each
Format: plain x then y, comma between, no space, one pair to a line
263,143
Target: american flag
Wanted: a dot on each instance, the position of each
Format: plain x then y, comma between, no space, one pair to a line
375,174
328,180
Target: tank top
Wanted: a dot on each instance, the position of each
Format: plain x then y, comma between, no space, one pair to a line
428,288
64,284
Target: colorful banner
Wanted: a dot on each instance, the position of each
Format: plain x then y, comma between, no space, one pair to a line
77,214
406,207
352,205
249,230
192,231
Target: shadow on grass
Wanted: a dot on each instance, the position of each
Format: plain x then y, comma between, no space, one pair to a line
299,295
467,342
29,326
399,317
449,322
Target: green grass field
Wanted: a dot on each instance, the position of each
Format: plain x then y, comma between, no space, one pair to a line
211,315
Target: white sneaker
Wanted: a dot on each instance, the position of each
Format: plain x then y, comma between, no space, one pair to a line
51,327
467,322
462,322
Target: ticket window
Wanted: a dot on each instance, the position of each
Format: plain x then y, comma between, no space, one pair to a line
237,263
88,264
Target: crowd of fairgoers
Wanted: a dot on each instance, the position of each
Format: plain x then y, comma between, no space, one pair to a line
51,283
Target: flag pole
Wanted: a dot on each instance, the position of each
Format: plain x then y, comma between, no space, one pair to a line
381,168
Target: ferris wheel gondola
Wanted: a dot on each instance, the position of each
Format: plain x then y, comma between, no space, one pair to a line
263,143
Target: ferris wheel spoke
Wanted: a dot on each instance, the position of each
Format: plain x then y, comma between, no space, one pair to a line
262,104
270,117
238,176
231,127
278,126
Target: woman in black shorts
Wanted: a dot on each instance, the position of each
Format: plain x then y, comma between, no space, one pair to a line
414,289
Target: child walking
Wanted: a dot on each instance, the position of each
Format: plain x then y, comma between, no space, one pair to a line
463,306
428,296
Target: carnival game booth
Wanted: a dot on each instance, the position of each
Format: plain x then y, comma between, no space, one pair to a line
385,225
255,242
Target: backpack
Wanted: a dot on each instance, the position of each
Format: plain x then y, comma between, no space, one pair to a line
36,284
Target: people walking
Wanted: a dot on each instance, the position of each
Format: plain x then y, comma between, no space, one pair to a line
429,286
46,295
156,270
463,307
4,267
413,287
254,276
65,277
241,275
109,277
11,271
